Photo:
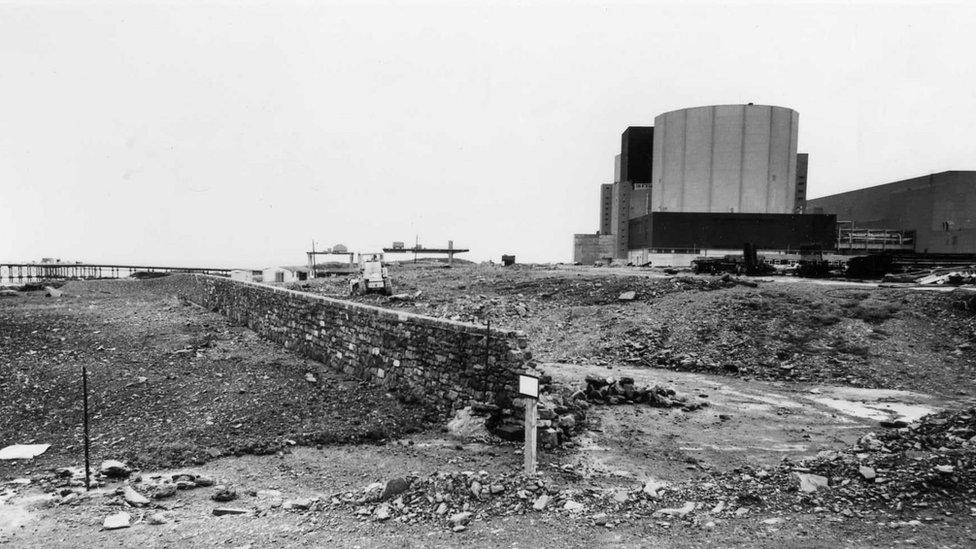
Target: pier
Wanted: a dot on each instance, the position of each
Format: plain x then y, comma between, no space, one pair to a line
19,273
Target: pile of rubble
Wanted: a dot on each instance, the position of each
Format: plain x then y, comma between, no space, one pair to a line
948,277
560,417
924,467
902,476
601,390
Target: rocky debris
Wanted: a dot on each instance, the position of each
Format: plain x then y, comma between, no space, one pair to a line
466,425
573,506
382,513
116,521
395,487
114,469
301,504
157,519
811,483
134,498
688,507
223,494
601,390
627,296
310,377
52,292
559,417
541,502
652,487
925,467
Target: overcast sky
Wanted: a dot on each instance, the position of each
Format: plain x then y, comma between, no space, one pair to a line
221,135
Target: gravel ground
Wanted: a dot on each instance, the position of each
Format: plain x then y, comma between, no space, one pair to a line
169,383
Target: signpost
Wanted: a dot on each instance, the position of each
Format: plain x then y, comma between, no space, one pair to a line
529,389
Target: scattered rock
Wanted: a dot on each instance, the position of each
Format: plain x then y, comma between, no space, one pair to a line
460,519
627,296
541,502
134,498
688,507
114,469
573,506
382,513
116,521
809,483
157,519
867,473
394,487
51,291
224,494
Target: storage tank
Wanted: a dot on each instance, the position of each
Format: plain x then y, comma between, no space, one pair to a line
725,158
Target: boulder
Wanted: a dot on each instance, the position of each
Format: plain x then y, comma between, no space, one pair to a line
627,296
809,483
541,502
395,487
134,498
114,469
466,424
116,521
224,494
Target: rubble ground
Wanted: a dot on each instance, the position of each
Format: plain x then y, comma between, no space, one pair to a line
847,456
806,331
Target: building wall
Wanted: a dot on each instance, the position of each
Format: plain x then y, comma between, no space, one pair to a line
441,362
725,158
697,230
802,161
621,217
590,248
940,208
606,208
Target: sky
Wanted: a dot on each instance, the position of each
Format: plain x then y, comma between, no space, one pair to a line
234,134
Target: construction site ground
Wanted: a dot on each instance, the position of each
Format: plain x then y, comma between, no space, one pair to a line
789,371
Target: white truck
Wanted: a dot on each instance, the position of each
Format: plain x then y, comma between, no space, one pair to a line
373,276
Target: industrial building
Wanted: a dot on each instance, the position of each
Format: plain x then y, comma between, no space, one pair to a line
930,214
705,181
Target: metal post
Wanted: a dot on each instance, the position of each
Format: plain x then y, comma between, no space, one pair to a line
84,390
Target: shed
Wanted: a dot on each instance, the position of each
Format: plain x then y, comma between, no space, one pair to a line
284,274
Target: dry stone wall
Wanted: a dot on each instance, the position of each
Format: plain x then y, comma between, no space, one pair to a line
445,363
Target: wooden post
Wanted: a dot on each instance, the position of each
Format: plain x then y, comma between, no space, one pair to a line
84,389
531,409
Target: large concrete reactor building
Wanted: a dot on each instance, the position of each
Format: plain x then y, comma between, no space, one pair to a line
706,181
725,158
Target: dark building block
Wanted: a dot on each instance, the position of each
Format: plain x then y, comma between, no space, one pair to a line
636,151
702,230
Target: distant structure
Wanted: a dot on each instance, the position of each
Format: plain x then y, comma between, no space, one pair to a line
705,181
929,214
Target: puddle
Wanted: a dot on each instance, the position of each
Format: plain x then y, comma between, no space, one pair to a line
877,411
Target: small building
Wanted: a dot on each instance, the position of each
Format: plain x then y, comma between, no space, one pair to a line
284,274
242,275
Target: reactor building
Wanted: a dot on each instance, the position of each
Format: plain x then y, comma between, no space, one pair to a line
706,181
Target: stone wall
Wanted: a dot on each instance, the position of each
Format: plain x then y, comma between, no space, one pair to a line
439,361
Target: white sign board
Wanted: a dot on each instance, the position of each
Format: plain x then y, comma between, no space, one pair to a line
528,386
